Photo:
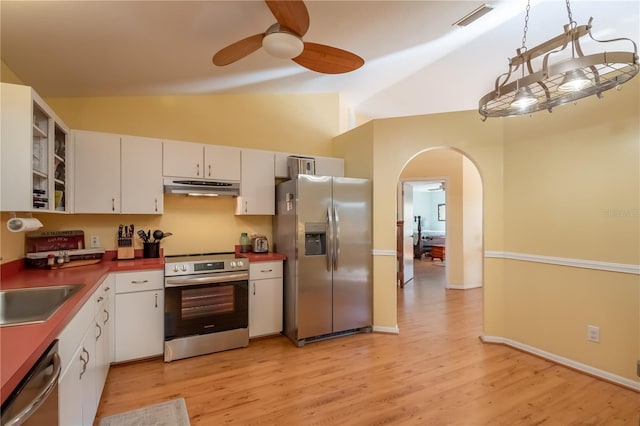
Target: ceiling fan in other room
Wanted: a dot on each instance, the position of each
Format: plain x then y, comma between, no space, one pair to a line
284,40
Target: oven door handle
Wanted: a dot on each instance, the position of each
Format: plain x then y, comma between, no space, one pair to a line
182,282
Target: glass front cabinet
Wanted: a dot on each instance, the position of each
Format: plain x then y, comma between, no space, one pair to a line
35,153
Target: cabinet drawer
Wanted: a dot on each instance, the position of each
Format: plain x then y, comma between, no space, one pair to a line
264,270
139,281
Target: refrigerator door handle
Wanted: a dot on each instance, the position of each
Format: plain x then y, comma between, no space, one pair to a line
336,245
329,249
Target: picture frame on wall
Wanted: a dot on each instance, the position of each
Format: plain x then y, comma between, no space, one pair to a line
442,212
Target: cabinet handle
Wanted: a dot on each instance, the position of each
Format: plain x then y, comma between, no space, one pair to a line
254,289
156,201
84,362
99,332
139,282
100,299
209,170
267,270
113,204
107,289
246,206
106,320
156,300
198,169
84,366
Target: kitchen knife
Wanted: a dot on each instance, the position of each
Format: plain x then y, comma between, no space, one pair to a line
120,231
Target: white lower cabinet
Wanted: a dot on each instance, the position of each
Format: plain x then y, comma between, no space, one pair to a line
85,359
265,298
139,313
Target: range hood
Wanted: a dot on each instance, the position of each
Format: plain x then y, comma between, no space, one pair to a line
201,187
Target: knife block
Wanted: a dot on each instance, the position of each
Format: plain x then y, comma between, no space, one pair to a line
125,248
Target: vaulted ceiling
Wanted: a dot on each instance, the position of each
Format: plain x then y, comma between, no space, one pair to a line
416,61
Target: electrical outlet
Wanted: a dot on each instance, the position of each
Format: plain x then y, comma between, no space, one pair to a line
95,241
593,333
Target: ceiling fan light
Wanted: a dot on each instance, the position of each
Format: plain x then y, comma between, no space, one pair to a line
574,81
282,45
524,98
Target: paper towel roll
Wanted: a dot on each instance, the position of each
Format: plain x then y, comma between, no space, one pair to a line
19,224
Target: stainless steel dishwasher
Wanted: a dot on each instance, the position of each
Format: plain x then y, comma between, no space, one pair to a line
35,401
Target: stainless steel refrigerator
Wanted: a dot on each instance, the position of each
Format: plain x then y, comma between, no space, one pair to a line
323,225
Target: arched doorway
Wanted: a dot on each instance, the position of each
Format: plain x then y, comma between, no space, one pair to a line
463,238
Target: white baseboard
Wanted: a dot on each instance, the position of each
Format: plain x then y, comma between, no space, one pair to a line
387,330
605,375
463,286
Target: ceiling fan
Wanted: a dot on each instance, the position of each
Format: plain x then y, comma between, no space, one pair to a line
284,40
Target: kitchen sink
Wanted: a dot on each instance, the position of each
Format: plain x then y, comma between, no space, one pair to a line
22,306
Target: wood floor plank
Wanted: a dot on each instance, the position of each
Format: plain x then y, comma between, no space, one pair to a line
435,372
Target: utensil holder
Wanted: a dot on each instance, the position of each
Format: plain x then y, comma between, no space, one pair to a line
151,250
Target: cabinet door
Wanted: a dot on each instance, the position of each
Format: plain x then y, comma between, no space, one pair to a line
257,185
139,325
33,158
265,307
88,377
70,392
102,352
327,166
141,175
182,159
221,163
97,172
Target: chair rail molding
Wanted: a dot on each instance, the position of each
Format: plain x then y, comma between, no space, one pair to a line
565,261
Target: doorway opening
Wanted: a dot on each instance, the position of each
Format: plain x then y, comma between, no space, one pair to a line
440,217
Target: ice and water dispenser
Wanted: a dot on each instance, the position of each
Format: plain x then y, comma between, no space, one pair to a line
315,239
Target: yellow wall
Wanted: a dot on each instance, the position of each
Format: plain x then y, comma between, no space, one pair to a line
572,190
288,123
7,75
564,184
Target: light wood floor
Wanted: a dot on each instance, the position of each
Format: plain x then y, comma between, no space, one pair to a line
435,372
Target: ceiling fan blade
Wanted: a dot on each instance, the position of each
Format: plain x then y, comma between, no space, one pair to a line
327,59
238,50
292,14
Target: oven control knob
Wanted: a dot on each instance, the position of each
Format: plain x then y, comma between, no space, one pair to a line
175,268
240,263
232,263
183,268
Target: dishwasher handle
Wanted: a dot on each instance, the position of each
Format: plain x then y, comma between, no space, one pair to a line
41,397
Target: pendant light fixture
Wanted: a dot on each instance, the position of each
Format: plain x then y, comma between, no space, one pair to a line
558,83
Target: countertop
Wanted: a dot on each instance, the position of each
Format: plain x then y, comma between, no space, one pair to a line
21,346
260,257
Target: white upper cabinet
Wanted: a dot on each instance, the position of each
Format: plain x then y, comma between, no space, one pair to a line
97,172
257,185
325,166
141,175
200,161
117,174
221,163
329,166
35,153
182,159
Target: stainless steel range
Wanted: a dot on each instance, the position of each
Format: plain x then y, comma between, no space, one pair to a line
206,304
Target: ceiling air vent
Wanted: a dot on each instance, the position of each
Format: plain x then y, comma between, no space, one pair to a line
473,15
